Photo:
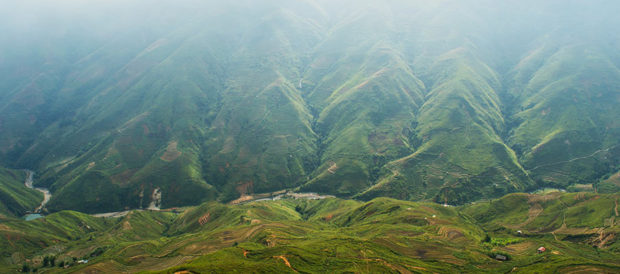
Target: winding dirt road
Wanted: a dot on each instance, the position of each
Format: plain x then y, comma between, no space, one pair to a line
575,159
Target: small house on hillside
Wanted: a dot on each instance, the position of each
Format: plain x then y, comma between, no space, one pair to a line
500,257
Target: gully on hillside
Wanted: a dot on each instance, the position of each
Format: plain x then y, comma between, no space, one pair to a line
47,195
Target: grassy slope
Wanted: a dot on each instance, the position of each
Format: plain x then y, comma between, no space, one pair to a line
364,123
15,198
195,145
461,150
382,235
565,133
610,184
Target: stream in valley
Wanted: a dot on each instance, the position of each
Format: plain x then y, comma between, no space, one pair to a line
47,195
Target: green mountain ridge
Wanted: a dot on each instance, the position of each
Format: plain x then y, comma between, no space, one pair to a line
354,100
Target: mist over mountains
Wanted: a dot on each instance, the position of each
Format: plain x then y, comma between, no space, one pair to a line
445,101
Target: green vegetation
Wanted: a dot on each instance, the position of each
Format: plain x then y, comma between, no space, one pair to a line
457,136
15,198
445,103
381,235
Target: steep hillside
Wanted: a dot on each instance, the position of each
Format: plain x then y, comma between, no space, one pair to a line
564,129
15,198
446,101
611,184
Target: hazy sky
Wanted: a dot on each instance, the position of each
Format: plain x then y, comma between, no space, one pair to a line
49,24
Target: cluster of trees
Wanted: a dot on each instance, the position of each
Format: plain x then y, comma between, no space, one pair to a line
48,261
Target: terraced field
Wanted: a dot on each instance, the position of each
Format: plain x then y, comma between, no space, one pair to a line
578,230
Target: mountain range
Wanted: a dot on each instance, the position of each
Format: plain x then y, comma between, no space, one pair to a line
444,101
